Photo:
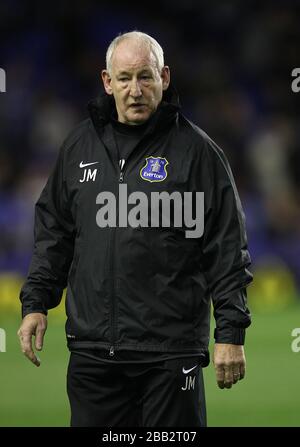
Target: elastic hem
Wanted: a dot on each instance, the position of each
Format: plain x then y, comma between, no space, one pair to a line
203,358
140,347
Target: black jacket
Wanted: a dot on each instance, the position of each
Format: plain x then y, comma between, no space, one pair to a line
140,288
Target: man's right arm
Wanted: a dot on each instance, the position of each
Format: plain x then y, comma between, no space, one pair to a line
54,234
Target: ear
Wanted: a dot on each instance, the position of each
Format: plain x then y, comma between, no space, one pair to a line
165,76
106,81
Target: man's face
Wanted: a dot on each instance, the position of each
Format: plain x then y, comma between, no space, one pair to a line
135,82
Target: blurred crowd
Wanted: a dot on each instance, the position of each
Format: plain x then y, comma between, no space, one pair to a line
231,63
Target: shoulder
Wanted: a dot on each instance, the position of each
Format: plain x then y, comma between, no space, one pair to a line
212,158
200,139
78,132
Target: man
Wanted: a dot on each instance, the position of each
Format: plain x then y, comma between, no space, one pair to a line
140,281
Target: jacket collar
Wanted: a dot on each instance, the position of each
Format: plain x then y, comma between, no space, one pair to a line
103,107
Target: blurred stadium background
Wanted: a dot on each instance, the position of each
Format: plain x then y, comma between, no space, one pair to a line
231,63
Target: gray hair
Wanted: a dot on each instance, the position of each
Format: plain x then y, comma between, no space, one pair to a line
144,38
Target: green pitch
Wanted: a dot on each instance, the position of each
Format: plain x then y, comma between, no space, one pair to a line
268,396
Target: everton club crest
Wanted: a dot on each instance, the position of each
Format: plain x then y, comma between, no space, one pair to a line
155,169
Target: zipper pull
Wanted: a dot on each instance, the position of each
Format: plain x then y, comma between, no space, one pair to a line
111,351
121,177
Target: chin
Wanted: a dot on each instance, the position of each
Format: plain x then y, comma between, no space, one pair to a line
139,118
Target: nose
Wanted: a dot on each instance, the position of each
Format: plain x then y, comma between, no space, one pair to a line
135,89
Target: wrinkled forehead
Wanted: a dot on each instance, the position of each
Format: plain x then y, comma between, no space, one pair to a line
133,56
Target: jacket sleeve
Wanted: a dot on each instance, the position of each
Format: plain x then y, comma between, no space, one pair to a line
225,252
53,245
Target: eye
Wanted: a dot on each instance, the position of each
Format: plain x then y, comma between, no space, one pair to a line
123,79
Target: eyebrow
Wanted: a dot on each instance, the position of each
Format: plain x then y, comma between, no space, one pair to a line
143,70
123,73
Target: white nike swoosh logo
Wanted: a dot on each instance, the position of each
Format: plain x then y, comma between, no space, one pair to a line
185,371
83,165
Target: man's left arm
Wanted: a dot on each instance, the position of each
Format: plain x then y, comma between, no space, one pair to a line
226,260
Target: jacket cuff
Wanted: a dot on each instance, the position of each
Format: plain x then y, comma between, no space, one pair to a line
33,309
231,335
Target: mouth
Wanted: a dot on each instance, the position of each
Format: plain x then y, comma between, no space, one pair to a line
136,106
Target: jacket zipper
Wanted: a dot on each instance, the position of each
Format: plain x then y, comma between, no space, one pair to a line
112,347
121,179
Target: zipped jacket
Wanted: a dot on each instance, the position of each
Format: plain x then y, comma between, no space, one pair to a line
119,236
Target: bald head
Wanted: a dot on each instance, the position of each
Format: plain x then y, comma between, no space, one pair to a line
132,53
139,40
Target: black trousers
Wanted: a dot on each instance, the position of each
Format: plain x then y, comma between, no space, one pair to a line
167,393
